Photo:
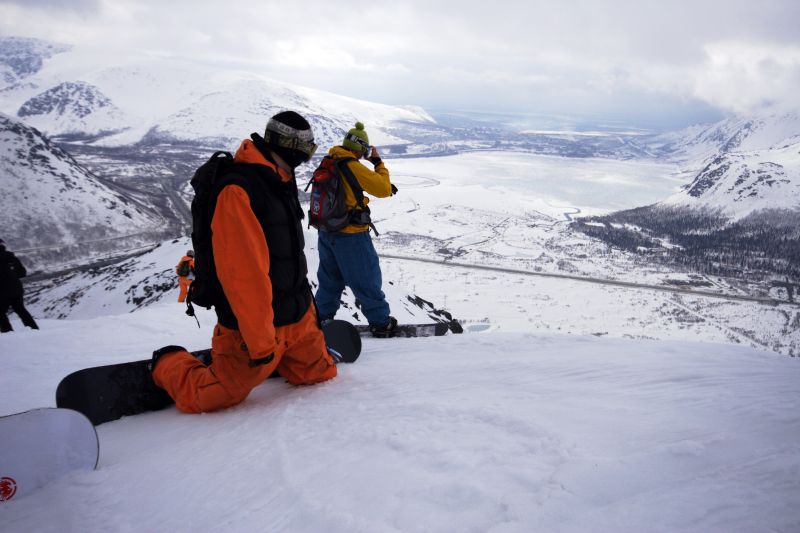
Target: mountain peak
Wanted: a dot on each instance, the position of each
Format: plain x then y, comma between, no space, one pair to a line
73,107
21,57
78,98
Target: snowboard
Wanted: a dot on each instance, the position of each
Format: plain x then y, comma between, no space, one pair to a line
436,329
109,392
343,340
41,445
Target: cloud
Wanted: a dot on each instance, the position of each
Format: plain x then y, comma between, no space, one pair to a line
77,6
744,77
734,55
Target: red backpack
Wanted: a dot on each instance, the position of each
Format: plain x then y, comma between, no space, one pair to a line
328,209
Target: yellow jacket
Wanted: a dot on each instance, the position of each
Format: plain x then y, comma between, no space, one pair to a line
375,182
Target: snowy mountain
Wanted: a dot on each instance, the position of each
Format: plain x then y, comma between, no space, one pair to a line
22,57
737,134
72,92
53,205
739,214
746,165
75,108
740,183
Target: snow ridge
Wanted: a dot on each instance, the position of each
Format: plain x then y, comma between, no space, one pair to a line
50,200
748,165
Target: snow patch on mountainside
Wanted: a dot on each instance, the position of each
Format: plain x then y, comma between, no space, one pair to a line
740,183
76,108
49,200
738,134
744,165
22,57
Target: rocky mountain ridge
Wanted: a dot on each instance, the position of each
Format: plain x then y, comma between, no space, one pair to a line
54,208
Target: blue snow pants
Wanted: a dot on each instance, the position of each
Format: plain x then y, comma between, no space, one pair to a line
350,259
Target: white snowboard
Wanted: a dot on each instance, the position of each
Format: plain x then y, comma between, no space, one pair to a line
41,445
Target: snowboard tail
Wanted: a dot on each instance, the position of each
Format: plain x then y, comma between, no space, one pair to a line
343,340
41,445
105,393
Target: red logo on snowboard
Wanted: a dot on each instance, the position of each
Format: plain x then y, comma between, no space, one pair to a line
8,487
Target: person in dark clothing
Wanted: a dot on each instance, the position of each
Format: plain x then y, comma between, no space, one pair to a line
266,318
11,290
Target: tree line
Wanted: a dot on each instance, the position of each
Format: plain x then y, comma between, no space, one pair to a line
761,246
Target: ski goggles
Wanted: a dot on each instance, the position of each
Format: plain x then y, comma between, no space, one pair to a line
289,137
361,142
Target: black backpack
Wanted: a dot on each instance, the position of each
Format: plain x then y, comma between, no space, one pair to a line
184,269
207,181
327,207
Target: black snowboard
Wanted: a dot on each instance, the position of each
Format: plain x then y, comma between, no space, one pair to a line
435,329
106,393
344,342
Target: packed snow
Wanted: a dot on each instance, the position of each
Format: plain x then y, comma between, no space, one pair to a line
488,431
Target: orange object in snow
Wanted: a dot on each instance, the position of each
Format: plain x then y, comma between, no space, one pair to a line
184,281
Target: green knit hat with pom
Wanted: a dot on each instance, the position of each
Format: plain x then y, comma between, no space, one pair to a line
356,139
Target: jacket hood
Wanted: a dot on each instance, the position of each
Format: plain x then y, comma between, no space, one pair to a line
248,153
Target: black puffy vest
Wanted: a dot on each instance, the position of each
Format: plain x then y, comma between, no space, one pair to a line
277,208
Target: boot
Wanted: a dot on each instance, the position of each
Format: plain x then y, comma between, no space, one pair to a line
386,331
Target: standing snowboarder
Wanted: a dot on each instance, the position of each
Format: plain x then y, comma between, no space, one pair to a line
184,269
348,257
11,293
266,319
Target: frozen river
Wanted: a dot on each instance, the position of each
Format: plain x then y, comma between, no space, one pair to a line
591,184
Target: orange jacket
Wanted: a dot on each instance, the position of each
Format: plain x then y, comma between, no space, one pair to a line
375,182
185,258
241,257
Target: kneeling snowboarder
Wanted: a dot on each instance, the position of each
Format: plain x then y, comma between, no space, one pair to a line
250,265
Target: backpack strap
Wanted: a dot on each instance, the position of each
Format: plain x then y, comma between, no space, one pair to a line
358,191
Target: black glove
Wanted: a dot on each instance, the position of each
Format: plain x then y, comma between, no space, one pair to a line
394,189
375,160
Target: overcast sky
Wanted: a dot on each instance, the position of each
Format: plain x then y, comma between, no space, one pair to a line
658,61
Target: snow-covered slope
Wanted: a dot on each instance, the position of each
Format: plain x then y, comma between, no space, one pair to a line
21,57
73,108
161,99
447,211
737,134
746,165
232,109
49,200
148,279
740,183
501,432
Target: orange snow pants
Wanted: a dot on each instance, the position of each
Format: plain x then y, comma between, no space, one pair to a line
184,283
301,358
